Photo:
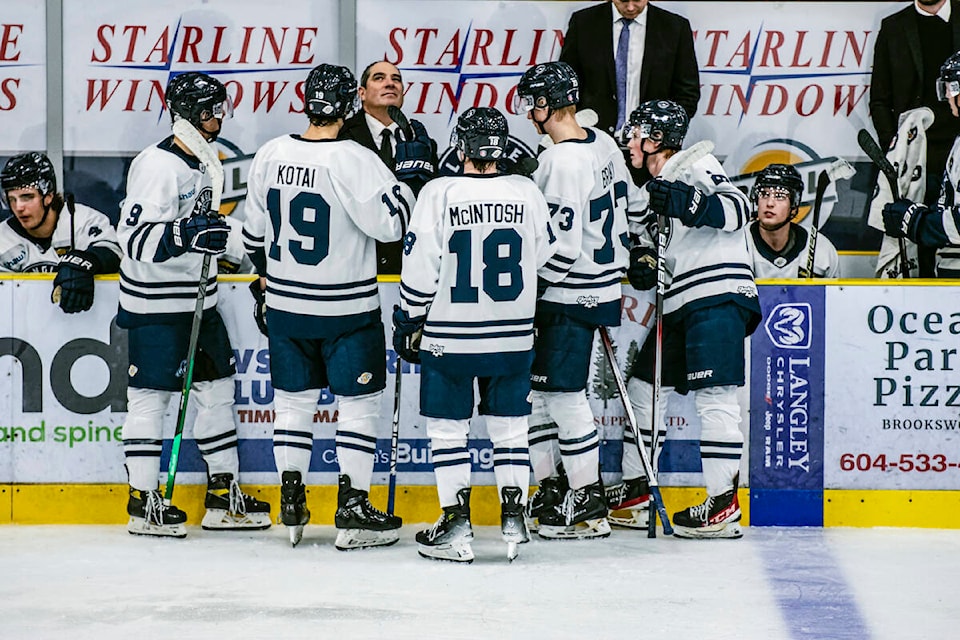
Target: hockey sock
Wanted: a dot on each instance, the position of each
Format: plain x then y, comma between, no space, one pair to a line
543,443
143,436
357,437
640,394
293,429
214,428
511,459
451,458
721,441
578,438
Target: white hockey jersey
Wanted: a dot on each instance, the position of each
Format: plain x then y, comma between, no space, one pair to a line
164,184
22,253
769,263
471,256
589,190
948,258
707,265
316,208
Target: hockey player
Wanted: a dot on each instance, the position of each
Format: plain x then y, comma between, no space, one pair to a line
710,306
469,284
166,226
315,208
44,235
938,225
585,181
779,247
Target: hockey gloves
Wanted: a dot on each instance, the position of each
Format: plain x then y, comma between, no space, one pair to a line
642,272
407,333
686,203
73,286
259,306
414,158
199,234
901,219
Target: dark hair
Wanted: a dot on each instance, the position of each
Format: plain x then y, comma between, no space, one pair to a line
365,75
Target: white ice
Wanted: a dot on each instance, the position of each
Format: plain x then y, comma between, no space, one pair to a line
776,583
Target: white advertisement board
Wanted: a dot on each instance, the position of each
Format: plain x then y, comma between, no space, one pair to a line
23,77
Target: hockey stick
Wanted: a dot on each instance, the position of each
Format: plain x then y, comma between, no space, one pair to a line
397,116
394,438
838,170
635,428
72,210
877,157
196,143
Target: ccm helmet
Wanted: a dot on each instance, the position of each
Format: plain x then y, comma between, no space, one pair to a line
662,121
330,93
550,85
481,134
197,97
29,170
783,176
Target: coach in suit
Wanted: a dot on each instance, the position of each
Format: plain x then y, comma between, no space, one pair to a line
911,45
381,86
626,53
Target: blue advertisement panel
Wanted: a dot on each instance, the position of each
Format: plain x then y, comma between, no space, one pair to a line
786,408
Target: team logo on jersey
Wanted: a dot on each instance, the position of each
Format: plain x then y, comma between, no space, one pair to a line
13,257
589,302
365,377
202,205
789,325
435,349
450,164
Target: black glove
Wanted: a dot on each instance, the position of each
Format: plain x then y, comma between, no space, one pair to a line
642,272
73,286
901,219
259,306
200,234
542,286
414,158
682,201
406,335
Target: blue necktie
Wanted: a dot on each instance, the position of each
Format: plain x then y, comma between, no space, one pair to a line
623,48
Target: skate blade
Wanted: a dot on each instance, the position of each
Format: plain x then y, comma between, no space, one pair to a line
296,534
598,528
350,539
728,530
447,552
629,518
512,551
139,527
223,520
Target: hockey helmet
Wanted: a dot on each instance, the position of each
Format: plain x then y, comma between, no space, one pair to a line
662,121
27,170
948,84
330,93
552,85
197,97
481,134
779,176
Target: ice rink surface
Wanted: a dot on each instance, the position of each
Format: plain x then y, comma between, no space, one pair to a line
776,583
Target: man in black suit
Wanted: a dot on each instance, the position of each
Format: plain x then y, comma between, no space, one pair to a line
656,59
911,45
381,86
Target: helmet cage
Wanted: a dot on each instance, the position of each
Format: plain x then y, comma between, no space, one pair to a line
197,98
779,178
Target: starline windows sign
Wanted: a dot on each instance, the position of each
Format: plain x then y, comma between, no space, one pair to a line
22,77
119,58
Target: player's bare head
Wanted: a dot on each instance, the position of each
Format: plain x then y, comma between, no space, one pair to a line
29,185
381,85
330,94
630,9
481,136
545,88
199,99
948,83
776,194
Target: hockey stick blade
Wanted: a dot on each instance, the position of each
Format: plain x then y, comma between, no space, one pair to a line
397,116
840,169
823,180
683,160
206,154
878,158
635,428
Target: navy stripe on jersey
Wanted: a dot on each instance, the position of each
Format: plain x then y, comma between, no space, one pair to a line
284,293
169,284
592,276
587,285
479,336
167,295
481,323
321,287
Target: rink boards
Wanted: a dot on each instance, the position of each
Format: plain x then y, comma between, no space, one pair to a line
852,405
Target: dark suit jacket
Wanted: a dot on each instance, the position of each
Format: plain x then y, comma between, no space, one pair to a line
669,67
895,83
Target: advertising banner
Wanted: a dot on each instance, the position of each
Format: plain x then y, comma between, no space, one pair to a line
23,77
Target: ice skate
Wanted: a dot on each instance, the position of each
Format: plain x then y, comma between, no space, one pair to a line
629,503
512,527
150,517
582,514
450,537
228,508
361,524
717,517
293,505
547,497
